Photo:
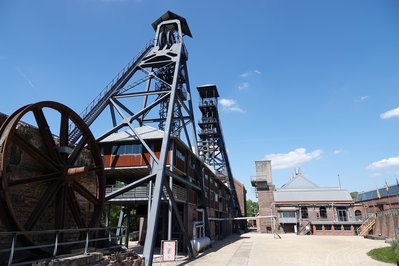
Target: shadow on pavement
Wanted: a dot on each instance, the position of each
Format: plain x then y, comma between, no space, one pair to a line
214,248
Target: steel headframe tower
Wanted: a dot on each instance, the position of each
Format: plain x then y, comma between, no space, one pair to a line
161,71
211,146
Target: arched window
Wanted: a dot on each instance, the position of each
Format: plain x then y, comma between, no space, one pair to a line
304,212
358,215
323,213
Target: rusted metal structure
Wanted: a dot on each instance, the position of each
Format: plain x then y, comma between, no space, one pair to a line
48,182
153,89
151,93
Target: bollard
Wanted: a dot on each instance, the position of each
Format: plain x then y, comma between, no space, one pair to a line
14,239
87,242
55,244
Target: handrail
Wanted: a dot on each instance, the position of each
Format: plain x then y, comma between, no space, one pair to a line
303,228
114,80
367,224
14,234
86,113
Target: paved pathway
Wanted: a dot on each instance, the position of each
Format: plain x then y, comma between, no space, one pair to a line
255,249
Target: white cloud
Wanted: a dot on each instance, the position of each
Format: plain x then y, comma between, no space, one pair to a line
230,105
336,152
391,113
384,163
243,86
250,73
376,174
292,158
363,98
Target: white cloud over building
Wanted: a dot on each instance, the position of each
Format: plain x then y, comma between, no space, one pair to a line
292,158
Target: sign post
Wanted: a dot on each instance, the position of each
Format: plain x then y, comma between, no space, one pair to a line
169,250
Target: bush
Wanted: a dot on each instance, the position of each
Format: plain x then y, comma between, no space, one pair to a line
395,244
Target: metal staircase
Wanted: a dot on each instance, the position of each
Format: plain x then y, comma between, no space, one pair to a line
94,109
367,225
157,96
305,229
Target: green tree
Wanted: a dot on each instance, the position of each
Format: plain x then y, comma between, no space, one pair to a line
354,195
252,208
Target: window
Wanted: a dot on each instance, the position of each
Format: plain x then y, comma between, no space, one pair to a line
358,215
192,162
287,214
304,212
327,227
337,227
180,155
126,149
323,213
319,227
347,227
342,214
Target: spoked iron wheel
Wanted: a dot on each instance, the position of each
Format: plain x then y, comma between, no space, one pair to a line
46,182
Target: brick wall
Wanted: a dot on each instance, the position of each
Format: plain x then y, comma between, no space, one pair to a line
241,195
265,200
386,224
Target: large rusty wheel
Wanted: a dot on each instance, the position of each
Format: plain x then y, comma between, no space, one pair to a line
46,182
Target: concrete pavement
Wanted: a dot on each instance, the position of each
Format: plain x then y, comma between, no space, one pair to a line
254,249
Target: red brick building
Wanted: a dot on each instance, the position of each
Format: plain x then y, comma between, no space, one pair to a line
302,207
382,212
126,161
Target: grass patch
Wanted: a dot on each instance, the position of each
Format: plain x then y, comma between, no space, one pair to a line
386,254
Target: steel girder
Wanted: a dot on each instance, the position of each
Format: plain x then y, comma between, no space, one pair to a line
211,146
152,90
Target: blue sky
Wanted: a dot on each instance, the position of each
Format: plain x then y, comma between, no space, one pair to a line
310,84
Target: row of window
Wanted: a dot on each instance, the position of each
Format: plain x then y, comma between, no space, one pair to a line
336,227
342,214
124,149
287,214
127,149
322,213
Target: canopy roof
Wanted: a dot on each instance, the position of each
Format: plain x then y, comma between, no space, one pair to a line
169,16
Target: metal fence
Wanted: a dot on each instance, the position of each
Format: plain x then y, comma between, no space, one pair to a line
18,250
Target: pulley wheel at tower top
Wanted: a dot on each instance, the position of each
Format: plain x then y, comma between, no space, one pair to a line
46,182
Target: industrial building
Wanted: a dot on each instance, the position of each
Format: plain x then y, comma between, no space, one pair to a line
302,207
149,158
126,161
381,208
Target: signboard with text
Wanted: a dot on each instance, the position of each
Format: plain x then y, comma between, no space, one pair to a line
169,250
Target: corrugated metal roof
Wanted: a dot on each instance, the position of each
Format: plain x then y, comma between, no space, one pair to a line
145,132
316,194
300,182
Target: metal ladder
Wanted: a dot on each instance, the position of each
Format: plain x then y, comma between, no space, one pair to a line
93,110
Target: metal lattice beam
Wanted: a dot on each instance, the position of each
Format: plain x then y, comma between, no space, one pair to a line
153,90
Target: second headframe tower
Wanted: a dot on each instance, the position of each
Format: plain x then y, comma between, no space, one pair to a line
211,146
